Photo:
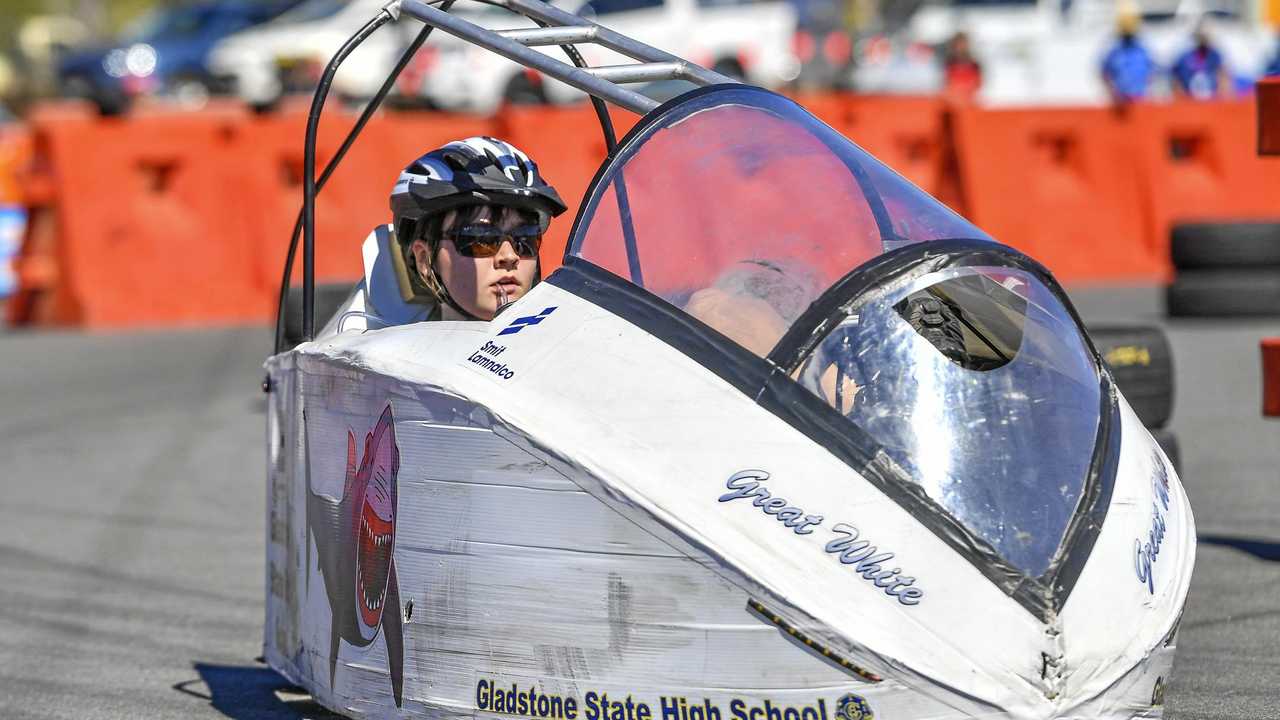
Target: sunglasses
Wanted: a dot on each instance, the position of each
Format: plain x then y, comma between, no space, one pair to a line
482,241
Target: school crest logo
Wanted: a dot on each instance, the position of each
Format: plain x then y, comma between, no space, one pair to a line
853,707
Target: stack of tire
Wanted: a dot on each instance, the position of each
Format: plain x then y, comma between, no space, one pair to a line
1141,364
1225,270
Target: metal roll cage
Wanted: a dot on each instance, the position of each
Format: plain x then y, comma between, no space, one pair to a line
555,27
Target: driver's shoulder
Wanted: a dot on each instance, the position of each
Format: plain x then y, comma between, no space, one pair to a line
379,298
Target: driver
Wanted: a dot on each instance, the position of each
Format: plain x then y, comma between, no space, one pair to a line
468,220
467,223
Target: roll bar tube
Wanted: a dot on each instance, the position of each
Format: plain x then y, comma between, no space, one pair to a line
556,27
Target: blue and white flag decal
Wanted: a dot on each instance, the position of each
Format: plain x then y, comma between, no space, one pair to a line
521,323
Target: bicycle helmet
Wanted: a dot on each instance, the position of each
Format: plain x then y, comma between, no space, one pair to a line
476,171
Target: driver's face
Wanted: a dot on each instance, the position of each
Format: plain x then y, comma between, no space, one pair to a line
479,284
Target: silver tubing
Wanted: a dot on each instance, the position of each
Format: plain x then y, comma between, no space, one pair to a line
640,72
534,37
565,29
512,50
614,40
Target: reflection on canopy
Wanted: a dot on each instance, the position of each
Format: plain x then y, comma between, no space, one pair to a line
744,208
993,410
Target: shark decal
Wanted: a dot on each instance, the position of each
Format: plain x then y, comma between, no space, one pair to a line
355,536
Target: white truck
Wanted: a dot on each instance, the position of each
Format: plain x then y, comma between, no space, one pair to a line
258,64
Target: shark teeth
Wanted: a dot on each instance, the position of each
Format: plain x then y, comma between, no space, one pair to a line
380,540
371,603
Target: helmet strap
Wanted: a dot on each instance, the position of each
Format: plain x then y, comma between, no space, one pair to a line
447,297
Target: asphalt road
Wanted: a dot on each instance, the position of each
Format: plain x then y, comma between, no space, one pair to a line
131,525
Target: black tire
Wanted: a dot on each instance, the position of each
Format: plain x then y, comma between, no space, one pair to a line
329,297
1207,246
1169,443
1224,293
1142,365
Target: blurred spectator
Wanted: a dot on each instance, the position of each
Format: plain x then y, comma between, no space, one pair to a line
961,73
1127,68
8,88
1273,68
1200,72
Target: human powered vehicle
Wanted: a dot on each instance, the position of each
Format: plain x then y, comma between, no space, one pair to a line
783,439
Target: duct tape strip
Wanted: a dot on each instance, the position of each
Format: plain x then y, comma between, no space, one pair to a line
810,643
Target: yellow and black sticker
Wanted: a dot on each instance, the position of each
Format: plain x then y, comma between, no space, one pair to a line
1126,355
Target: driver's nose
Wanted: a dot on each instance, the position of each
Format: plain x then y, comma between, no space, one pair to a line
507,257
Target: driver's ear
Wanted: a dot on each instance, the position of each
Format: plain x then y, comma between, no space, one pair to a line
421,256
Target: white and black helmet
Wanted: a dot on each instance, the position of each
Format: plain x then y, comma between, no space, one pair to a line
477,170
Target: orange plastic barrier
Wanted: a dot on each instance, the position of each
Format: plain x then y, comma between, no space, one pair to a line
150,229
1269,116
35,300
170,218
1061,185
356,197
1199,162
569,147
908,134
15,155
165,218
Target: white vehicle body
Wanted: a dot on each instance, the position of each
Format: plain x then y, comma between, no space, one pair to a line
605,505
1033,54
731,36
310,33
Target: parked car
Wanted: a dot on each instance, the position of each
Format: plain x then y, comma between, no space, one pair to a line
163,53
740,38
263,64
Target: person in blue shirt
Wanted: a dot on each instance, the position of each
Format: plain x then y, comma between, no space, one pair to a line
1200,72
1273,68
1127,68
